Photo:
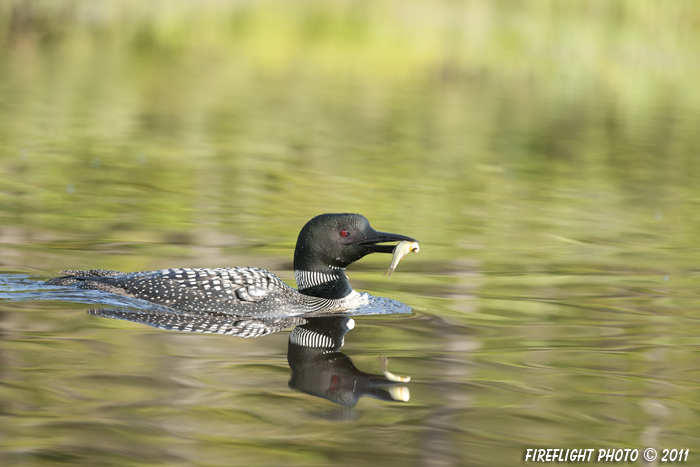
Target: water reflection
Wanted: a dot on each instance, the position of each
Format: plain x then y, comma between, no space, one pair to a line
319,367
211,323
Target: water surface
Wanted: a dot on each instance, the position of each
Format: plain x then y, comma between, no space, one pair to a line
544,155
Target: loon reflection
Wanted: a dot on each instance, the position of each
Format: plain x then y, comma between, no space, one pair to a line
318,366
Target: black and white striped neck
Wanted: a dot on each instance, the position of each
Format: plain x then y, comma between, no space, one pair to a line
331,283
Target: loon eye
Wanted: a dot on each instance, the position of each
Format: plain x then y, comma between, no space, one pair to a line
344,233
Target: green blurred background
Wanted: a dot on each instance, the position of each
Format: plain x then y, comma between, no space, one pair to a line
172,122
545,153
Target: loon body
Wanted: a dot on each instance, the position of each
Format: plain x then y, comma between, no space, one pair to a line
327,244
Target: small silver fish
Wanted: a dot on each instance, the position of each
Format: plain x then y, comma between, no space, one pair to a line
383,364
400,251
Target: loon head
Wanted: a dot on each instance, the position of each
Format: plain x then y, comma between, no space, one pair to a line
333,241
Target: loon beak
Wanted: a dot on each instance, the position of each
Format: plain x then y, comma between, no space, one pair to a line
372,244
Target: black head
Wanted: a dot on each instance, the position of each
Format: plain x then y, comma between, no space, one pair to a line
337,240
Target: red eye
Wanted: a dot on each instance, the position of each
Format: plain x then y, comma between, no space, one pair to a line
344,233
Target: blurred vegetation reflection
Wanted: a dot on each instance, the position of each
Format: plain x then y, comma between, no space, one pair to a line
544,152
137,119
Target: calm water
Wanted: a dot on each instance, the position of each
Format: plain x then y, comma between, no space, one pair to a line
551,179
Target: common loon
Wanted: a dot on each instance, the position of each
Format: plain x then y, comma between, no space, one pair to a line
327,244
